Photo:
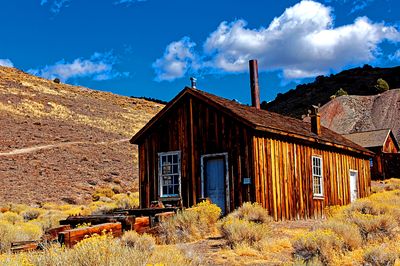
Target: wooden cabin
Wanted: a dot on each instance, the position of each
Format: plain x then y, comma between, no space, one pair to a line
385,146
204,146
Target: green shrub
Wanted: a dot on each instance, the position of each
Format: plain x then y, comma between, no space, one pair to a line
381,85
341,92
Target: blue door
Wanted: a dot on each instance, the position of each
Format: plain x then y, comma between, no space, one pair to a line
215,181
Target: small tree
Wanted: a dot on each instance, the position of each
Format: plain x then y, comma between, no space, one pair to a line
341,92
381,85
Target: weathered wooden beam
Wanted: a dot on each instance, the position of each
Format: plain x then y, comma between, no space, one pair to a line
147,211
52,234
126,221
69,238
24,246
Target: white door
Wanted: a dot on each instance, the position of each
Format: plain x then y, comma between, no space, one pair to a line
353,185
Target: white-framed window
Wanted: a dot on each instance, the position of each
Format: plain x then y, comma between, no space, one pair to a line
318,186
169,173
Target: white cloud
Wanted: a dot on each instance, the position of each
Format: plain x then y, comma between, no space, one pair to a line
178,59
395,56
100,66
6,63
55,5
302,42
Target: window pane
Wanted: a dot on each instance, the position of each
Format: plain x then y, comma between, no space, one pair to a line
169,174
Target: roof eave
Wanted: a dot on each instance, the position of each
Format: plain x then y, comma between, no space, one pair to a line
364,152
136,138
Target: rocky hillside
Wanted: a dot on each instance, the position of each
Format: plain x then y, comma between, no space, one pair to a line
58,142
356,81
348,114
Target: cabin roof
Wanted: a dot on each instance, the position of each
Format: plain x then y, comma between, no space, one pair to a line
372,138
261,120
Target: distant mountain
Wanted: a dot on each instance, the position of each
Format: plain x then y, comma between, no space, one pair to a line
355,81
58,142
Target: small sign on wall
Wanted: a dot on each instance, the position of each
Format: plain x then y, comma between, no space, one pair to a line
246,181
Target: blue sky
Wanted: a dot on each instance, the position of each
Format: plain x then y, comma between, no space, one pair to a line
151,47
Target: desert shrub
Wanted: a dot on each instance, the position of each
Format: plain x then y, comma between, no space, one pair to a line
30,214
366,206
102,192
95,250
374,227
11,217
17,208
170,255
189,225
243,232
50,219
318,245
5,236
99,207
208,214
126,201
349,233
144,243
252,212
380,255
99,250
117,189
182,227
17,232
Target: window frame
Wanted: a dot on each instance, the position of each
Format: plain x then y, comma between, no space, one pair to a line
321,176
160,174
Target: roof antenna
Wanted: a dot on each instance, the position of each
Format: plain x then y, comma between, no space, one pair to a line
194,82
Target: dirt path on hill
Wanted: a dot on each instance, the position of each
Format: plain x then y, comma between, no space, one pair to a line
57,145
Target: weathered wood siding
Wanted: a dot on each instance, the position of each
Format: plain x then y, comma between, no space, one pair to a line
283,177
196,129
280,169
390,146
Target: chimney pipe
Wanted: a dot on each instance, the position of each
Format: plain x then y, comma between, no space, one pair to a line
193,82
255,90
315,121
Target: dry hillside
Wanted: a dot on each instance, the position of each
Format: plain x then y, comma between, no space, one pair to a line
347,114
355,81
58,142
